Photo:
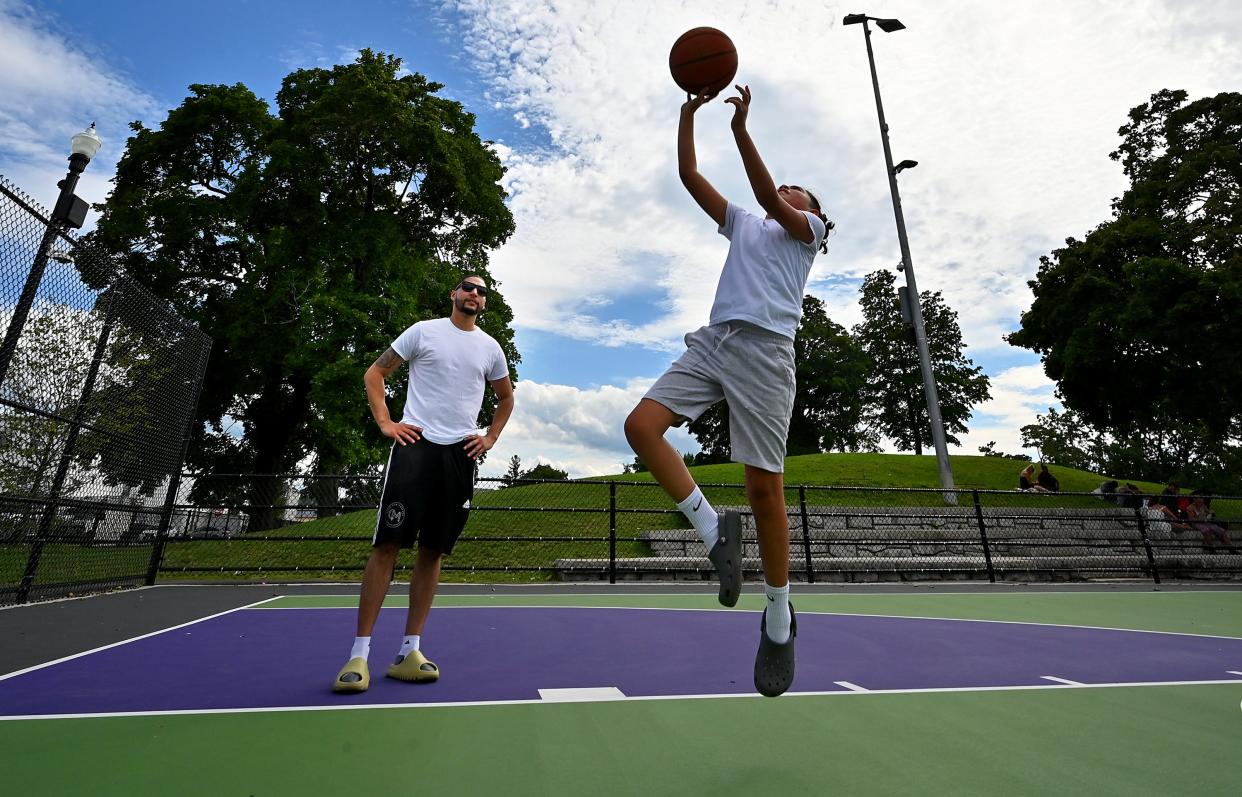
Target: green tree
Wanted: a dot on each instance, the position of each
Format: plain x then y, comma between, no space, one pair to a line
711,429
989,449
303,242
542,471
1136,323
831,371
514,472
46,373
896,404
1064,438
636,466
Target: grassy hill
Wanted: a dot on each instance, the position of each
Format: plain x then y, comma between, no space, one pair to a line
530,526
541,522
901,470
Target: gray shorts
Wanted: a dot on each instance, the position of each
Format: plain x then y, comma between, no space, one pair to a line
750,368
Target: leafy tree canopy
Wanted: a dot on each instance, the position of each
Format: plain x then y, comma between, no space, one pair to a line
1136,322
303,241
543,471
832,372
896,407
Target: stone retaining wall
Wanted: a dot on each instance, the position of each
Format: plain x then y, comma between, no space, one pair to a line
940,543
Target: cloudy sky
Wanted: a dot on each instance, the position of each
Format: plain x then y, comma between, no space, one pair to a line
1010,109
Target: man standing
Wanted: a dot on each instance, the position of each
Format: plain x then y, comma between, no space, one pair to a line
430,475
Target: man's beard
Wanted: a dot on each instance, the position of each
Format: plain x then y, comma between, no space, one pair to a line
462,307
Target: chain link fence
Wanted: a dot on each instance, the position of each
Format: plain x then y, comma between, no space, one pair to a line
98,385
322,527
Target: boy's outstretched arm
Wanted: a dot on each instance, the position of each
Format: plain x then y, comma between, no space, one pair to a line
786,215
703,192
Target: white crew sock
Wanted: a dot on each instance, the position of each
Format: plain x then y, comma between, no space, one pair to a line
777,612
362,647
700,513
408,644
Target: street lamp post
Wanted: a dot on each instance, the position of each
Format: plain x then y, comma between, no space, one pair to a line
70,212
907,265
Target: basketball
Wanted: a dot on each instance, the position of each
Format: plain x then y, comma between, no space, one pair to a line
703,58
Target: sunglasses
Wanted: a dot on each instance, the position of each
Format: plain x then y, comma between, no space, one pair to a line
471,286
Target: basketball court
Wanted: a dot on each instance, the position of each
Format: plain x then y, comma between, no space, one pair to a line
643,690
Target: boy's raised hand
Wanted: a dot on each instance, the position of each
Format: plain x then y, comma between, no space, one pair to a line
693,103
741,106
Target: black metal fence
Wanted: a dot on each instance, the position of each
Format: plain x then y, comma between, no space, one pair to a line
98,385
586,530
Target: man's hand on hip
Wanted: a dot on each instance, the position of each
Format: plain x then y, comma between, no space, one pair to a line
479,444
403,433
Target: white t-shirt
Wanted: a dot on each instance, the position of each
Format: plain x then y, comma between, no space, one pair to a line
448,370
765,272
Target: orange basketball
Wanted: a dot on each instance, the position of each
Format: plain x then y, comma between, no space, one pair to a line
703,58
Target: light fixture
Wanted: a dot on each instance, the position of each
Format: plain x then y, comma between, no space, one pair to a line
86,143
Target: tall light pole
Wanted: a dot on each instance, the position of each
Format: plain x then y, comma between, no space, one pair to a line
70,212
911,299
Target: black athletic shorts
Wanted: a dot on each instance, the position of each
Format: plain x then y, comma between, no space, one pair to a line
427,491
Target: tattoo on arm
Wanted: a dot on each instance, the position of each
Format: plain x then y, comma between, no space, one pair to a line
389,359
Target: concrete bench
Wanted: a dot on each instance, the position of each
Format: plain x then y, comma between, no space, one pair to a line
939,542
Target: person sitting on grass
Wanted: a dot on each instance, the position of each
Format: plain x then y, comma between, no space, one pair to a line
1027,482
1047,481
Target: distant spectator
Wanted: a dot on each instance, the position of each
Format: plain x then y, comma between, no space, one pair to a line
1203,520
1107,491
1047,481
1129,496
1027,482
1156,520
1168,520
1172,497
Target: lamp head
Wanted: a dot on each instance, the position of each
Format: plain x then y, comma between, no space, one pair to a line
906,164
854,19
85,143
889,25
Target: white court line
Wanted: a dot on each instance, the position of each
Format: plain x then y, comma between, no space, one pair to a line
628,698
1234,672
800,611
1065,681
851,687
585,694
133,639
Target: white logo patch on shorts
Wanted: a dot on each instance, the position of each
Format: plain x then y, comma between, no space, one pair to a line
466,505
394,514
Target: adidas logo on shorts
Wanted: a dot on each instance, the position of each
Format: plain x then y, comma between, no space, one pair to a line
466,505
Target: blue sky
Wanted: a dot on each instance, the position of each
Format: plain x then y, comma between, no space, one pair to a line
1010,110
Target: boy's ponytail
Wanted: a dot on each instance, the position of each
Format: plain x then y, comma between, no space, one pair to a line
829,226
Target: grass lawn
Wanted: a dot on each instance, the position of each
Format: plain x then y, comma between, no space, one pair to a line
67,563
901,470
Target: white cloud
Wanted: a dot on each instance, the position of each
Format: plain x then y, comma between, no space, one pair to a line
578,430
1018,395
1011,110
50,89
